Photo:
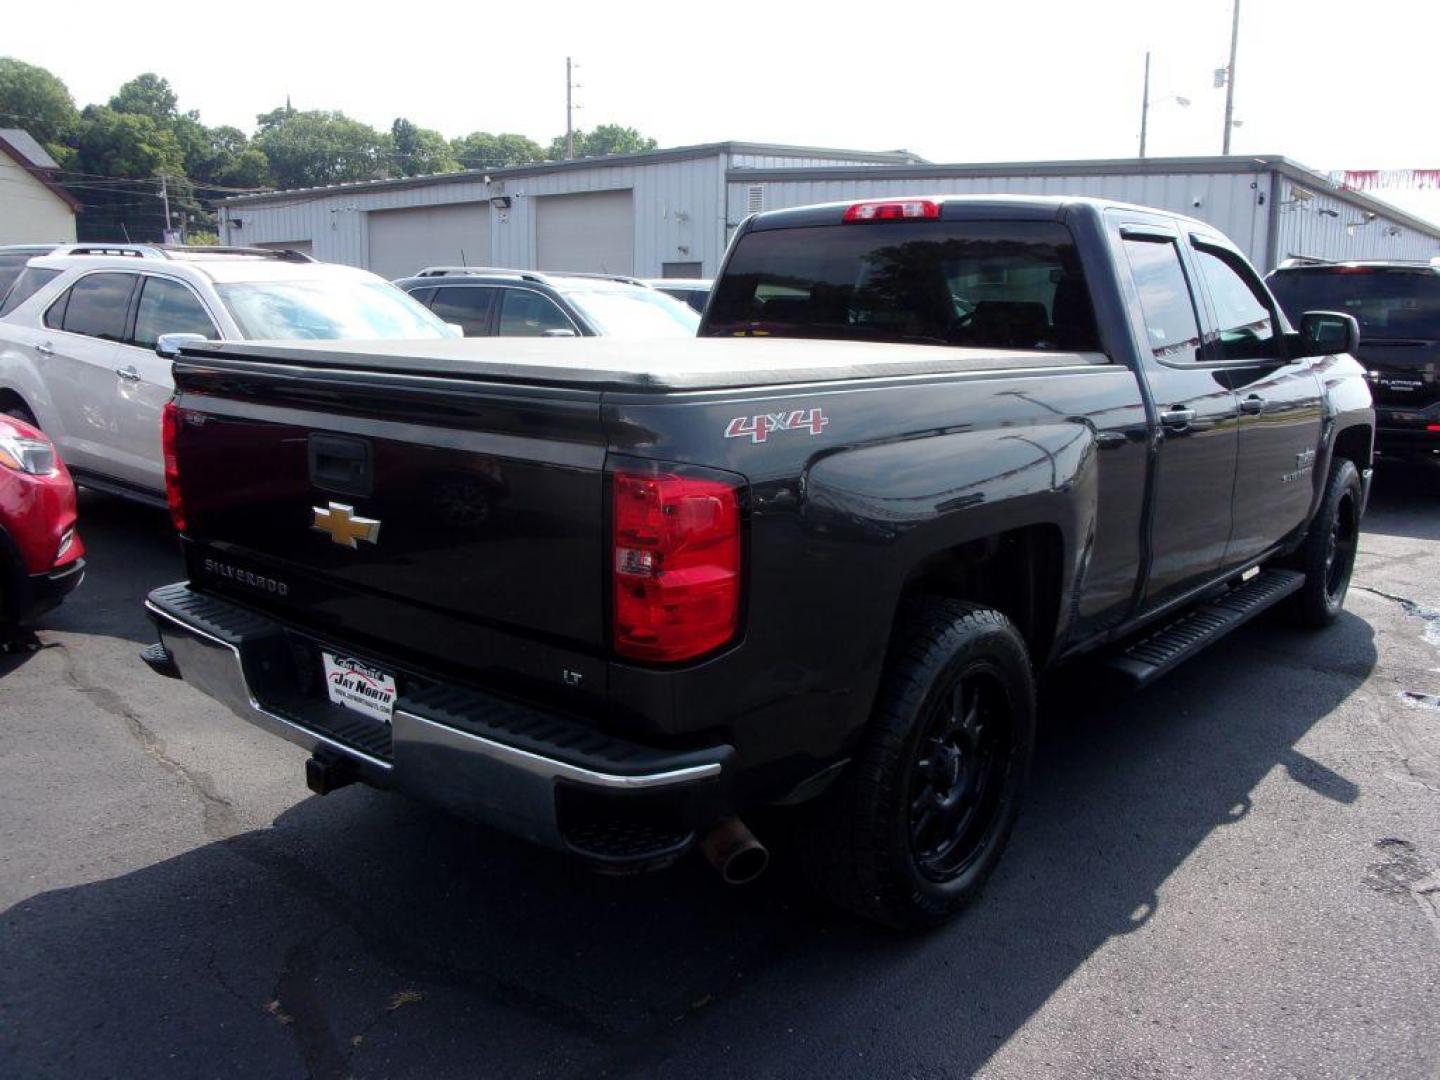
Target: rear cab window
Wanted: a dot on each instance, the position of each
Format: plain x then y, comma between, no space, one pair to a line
991,284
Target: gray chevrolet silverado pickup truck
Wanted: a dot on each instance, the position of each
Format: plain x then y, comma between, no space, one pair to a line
613,596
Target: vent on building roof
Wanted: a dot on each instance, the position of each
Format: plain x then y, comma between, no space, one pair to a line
755,198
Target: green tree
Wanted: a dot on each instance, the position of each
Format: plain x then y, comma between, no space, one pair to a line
419,151
602,141
33,99
482,150
121,144
309,149
274,118
149,95
224,156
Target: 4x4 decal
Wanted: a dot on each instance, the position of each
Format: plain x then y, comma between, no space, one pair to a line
759,427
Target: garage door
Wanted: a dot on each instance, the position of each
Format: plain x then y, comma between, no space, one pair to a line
405,241
305,247
594,232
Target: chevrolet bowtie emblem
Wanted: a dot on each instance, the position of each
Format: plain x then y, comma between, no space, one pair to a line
344,527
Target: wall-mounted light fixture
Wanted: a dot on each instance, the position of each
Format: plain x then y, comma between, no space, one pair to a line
500,202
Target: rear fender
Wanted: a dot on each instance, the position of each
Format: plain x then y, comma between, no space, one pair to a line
920,497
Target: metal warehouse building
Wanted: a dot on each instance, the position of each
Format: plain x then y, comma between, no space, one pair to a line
671,212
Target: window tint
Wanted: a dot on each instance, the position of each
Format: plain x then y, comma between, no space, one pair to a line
996,284
55,313
1246,324
167,307
31,280
10,267
528,314
1389,302
468,306
1164,299
98,305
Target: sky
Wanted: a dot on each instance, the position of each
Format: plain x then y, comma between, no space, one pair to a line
1330,83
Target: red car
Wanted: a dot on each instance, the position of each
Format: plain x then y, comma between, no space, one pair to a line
41,556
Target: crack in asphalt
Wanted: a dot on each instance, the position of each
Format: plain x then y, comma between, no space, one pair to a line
300,1007
1428,615
217,812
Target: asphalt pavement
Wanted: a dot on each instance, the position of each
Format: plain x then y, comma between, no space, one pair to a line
1234,873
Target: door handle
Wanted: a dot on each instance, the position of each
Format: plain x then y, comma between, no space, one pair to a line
129,374
1177,416
45,349
1253,405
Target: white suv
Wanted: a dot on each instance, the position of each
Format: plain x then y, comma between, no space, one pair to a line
78,331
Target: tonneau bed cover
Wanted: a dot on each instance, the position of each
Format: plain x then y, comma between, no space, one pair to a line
641,366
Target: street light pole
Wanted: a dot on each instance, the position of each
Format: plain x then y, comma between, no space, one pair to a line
569,113
1145,104
1230,80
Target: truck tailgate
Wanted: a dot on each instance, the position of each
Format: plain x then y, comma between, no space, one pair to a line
445,519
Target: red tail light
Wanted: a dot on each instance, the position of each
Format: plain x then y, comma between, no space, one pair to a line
169,429
893,211
677,565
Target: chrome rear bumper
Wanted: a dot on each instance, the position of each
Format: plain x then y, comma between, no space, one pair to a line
542,776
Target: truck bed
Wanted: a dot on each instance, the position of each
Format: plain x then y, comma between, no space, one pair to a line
644,366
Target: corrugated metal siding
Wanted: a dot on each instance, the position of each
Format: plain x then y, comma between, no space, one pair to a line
1229,201
1325,227
678,214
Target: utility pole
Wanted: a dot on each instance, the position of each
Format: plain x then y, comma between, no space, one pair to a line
1145,104
1230,80
570,111
165,198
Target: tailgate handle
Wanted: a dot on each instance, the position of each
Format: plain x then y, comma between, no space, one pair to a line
341,464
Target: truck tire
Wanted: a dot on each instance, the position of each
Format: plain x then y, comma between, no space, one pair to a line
1327,555
910,832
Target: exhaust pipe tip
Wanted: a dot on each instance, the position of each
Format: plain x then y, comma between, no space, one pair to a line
734,852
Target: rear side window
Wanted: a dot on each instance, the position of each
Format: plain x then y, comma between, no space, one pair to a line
167,307
528,314
996,284
1165,299
98,306
468,306
1245,323
1389,303
31,280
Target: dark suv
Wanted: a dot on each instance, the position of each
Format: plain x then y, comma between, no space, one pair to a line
1398,307
525,303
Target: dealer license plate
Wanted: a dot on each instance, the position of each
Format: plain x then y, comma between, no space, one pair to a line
359,687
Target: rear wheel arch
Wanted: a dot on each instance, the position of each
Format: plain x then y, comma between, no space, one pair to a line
12,404
1018,572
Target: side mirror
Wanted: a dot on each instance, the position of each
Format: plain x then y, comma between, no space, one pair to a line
168,346
559,332
456,330
1324,333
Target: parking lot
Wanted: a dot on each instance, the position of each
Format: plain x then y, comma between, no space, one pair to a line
1236,873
